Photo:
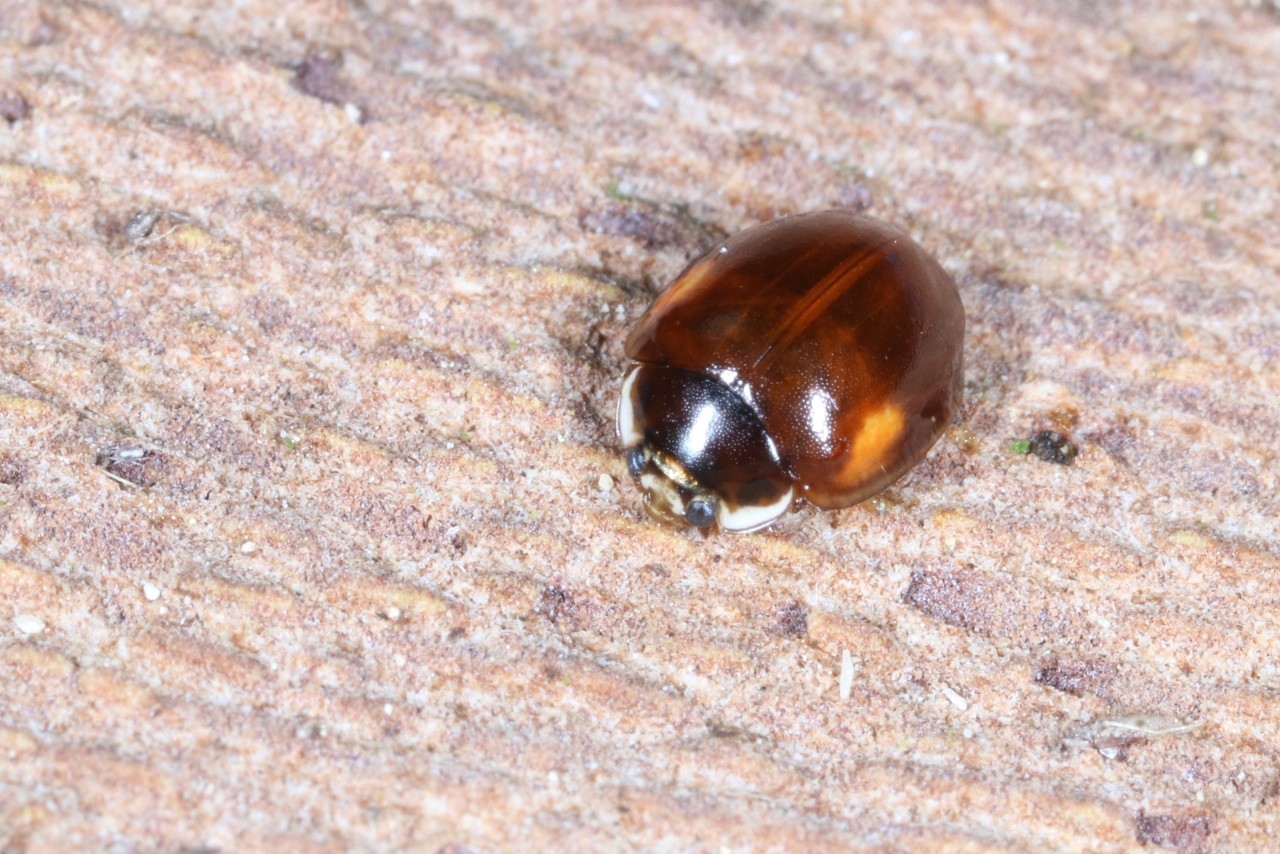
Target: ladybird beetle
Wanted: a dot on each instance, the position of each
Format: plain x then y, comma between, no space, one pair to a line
814,358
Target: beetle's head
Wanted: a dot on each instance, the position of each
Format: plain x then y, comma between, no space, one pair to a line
698,452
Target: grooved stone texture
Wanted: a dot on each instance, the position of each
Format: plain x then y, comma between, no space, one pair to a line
313,532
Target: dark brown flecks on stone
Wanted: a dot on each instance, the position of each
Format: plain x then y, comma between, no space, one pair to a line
132,465
653,225
458,539
557,604
14,107
742,13
1182,832
1075,677
347,300
1118,440
1053,447
597,424
791,620
648,226
722,729
319,76
959,597
12,472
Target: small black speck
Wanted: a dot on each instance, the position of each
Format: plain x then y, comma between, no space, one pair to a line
1053,447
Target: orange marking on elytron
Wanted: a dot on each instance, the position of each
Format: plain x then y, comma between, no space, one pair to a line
881,431
824,293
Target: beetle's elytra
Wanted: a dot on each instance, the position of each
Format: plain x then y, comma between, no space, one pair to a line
815,357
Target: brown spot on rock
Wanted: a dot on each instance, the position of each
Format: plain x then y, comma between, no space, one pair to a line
558,604
1183,832
649,227
12,472
791,620
319,76
13,107
960,597
1118,440
1076,677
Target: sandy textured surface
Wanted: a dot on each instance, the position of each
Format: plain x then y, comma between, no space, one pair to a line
312,530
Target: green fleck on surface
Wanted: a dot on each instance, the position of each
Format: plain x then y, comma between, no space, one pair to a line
1020,446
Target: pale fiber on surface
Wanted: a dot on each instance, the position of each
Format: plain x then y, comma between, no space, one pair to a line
310,327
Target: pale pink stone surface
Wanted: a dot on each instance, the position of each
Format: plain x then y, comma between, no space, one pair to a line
310,319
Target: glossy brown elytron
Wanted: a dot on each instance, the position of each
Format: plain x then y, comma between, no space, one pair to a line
815,357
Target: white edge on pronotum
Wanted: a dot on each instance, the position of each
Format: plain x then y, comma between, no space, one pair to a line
628,428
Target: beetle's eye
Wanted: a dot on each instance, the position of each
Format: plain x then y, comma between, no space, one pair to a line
700,513
635,462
